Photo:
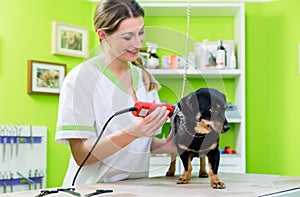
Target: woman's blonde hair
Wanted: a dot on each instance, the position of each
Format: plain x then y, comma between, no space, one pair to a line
148,78
108,16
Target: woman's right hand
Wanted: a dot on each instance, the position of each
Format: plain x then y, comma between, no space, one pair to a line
149,125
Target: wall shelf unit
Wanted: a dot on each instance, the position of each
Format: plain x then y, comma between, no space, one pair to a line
193,73
209,8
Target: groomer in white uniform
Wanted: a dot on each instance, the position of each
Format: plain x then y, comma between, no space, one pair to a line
103,85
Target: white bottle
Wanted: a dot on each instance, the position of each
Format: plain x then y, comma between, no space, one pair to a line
232,64
204,57
152,61
197,54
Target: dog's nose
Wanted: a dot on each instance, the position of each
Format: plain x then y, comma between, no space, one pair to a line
226,127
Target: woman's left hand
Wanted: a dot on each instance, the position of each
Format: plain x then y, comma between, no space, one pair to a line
163,145
149,125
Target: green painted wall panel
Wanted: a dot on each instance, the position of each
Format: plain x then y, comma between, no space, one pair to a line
25,33
272,86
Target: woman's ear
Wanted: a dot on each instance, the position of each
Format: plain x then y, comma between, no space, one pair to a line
101,34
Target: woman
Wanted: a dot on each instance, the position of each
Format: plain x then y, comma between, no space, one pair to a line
97,88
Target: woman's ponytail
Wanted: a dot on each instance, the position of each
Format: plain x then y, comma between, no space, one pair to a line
148,78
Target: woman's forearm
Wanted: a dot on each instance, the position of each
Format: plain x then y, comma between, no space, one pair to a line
105,147
143,127
163,146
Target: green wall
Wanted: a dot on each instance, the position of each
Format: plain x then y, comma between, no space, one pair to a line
272,87
272,79
25,33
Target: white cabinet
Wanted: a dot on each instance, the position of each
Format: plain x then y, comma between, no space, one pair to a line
220,8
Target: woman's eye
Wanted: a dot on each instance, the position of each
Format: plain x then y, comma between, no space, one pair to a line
127,37
141,32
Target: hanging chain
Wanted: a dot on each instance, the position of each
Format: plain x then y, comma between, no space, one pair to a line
188,14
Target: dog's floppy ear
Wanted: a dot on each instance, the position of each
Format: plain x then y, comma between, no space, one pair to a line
210,98
189,106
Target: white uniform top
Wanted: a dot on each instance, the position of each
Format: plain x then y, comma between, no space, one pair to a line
89,96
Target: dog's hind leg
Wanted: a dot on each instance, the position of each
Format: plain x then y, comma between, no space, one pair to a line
202,171
186,176
172,167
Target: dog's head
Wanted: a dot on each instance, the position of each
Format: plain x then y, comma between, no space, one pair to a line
206,107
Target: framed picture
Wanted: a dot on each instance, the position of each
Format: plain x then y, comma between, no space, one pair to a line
69,39
45,77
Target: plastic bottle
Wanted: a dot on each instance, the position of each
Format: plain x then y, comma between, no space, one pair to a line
153,61
204,57
197,54
232,64
221,60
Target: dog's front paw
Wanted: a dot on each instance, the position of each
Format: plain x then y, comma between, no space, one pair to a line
218,184
203,174
183,180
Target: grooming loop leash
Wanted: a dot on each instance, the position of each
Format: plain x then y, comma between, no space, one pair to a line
188,25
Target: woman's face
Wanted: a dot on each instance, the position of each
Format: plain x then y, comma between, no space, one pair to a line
126,42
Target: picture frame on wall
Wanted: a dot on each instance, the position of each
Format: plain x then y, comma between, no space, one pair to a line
70,40
45,77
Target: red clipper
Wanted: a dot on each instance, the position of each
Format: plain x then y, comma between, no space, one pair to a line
145,108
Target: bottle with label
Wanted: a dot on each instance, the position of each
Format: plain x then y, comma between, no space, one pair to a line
152,61
221,56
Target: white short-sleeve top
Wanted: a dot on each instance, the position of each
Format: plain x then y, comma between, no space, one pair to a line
90,94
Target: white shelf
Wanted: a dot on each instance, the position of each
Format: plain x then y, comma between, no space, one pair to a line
197,9
234,120
230,120
214,8
209,73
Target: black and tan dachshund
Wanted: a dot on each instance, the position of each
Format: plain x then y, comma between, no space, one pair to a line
196,126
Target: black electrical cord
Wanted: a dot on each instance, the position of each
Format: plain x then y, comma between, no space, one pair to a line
105,125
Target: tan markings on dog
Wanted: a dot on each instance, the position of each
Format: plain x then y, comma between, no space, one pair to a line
202,127
172,167
213,146
187,148
202,171
186,176
198,115
217,126
215,182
